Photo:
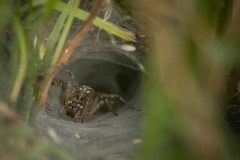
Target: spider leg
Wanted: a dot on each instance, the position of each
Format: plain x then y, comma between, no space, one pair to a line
114,96
82,120
109,105
59,83
63,109
70,73
120,98
76,117
78,114
64,89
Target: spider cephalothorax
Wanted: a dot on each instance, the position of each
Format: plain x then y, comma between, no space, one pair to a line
83,101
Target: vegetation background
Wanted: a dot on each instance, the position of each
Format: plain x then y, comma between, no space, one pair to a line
192,75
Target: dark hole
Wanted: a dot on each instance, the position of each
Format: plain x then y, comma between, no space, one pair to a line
108,76
124,81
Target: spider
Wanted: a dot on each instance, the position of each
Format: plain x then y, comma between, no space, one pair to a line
83,101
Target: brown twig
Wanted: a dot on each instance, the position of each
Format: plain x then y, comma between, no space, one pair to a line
68,51
78,36
8,115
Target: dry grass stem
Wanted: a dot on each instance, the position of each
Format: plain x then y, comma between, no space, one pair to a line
68,51
8,115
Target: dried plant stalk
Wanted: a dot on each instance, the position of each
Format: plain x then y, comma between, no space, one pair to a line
68,51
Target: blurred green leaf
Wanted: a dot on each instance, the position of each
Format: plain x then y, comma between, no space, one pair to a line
21,41
54,35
